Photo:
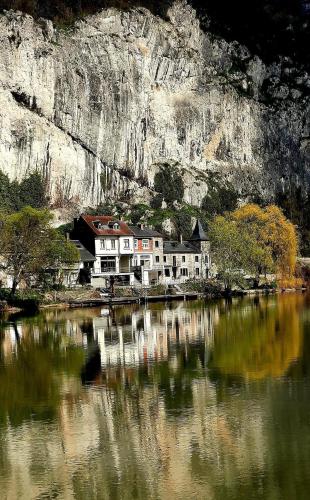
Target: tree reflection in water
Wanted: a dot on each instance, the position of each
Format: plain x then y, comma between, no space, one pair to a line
188,400
258,341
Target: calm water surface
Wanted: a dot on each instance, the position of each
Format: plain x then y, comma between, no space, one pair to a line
186,400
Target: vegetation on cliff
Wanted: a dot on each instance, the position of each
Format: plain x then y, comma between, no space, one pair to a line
30,191
268,27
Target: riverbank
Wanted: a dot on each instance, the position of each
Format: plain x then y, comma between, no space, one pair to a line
86,297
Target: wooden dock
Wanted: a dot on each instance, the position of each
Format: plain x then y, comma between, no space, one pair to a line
106,301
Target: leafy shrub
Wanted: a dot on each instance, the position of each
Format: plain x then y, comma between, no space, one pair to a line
24,299
138,212
183,223
30,191
169,183
157,201
213,288
221,197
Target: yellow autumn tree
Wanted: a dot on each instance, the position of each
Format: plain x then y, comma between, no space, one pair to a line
275,232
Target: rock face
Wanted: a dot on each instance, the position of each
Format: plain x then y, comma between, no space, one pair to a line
99,107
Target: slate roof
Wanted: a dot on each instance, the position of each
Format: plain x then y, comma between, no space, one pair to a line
145,232
104,229
178,247
85,255
199,233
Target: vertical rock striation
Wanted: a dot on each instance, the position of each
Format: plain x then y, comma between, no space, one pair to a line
99,107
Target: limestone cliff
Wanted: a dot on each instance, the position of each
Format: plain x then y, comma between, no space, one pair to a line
99,107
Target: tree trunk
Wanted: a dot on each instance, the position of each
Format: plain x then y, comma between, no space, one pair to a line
256,282
14,286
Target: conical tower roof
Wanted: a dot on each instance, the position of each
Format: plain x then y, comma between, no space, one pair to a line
199,233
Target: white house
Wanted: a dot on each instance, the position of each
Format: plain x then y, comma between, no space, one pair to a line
112,244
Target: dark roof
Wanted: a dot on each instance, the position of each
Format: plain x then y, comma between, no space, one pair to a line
178,247
198,233
146,232
102,225
85,255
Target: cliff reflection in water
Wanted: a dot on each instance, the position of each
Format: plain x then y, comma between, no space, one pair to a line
178,401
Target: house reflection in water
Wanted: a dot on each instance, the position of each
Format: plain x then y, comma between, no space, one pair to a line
152,335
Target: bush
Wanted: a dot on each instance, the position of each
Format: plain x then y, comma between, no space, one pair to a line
157,201
183,223
213,288
138,212
29,300
30,191
220,199
168,182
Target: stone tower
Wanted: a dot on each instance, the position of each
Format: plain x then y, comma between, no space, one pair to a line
200,240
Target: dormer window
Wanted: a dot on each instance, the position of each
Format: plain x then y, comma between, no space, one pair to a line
116,226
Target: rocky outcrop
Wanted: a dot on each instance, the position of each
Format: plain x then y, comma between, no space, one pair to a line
98,108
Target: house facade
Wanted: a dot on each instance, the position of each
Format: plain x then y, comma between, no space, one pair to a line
81,271
184,260
148,255
112,243
137,255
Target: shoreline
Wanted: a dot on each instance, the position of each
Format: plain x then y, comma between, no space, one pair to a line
164,298
126,300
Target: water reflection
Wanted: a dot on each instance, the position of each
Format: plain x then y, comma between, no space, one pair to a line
260,339
189,400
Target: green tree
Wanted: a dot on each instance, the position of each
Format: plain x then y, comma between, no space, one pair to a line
29,244
221,197
237,250
228,250
169,183
274,234
183,223
138,212
5,193
32,191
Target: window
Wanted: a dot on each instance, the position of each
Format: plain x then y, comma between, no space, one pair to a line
156,244
167,273
108,265
157,259
197,258
197,271
165,258
183,258
126,243
184,271
136,244
112,244
102,244
145,243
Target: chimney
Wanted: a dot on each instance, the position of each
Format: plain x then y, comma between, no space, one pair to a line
141,225
181,239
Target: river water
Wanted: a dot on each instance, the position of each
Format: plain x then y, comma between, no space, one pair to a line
199,400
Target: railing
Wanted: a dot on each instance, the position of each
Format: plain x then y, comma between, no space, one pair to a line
125,269
109,270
